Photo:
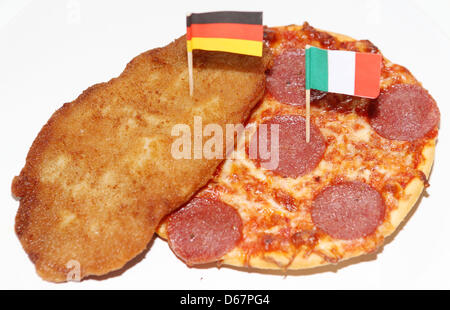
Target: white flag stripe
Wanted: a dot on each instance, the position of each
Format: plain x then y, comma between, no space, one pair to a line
341,72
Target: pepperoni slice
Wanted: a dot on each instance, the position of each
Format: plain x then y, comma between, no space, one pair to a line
204,230
295,157
404,112
286,79
349,210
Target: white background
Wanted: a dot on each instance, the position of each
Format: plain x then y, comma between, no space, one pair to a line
50,51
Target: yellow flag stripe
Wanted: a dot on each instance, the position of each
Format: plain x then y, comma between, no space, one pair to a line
246,47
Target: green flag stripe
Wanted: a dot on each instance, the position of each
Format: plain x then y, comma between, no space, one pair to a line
316,69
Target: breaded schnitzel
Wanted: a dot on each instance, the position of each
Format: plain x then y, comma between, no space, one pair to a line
100,176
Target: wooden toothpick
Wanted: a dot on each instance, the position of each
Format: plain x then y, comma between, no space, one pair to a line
191,74
308,115
190,63
308,109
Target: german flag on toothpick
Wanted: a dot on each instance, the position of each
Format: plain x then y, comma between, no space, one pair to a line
233,32
226,31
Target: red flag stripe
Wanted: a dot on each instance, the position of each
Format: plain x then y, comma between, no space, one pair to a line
367,74
226,31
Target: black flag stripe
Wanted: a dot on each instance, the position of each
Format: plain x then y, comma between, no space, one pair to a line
250,18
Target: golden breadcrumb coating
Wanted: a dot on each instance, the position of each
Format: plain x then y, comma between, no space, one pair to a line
100,176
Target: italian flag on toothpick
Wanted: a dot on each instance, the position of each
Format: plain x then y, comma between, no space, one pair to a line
343,72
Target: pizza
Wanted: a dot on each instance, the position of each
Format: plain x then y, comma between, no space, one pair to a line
97,179
336,197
